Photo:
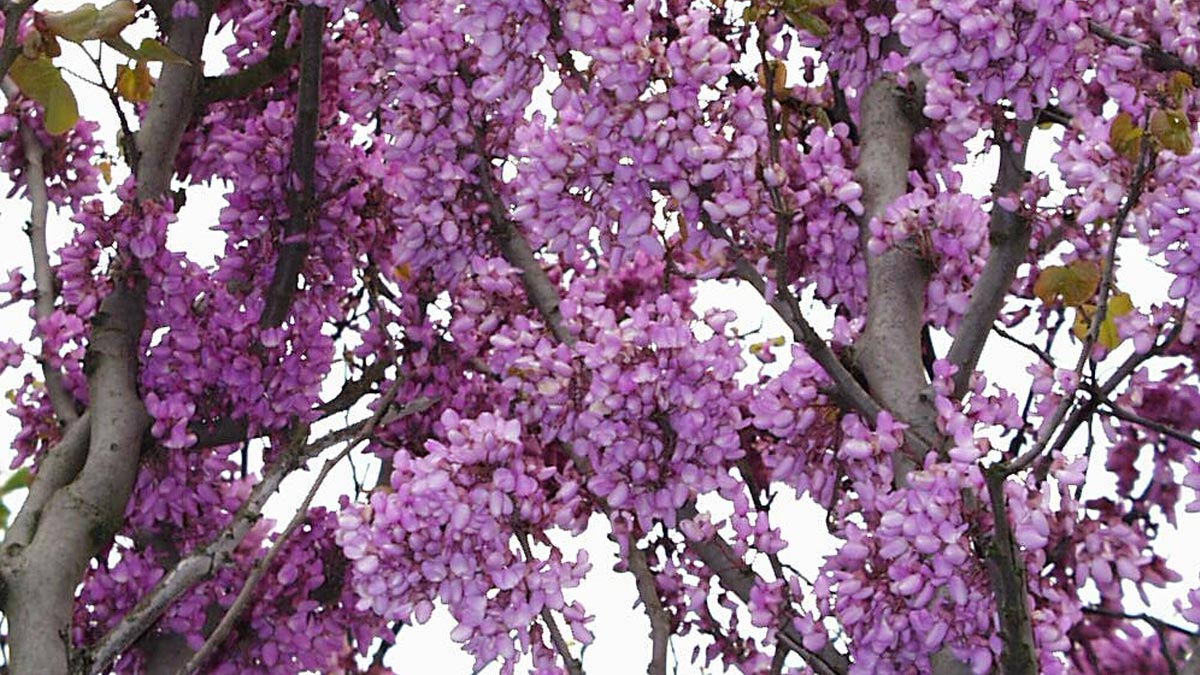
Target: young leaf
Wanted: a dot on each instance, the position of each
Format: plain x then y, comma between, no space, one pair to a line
1118,305
1178,86
18,481
41,81
778,74
86,22
118,43
134,84
1172,129
1124,136
75,25
809,23
1075,283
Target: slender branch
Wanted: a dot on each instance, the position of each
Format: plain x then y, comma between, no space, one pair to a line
61,400
301,183
226,431
717,555
1008,232
1149,619
660,621
847,388
245,595
1042,354
1157,57
1133,418
574,667
1006,568
1056,417
1083,411
516,250
279,59
9,49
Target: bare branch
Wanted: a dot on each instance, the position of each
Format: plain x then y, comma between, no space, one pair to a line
279,59
660,621
1083,411
9,49
245,595
301,182
1009,233
1121,413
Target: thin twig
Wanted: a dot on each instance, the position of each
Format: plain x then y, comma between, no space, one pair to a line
203,561
1056,417
516,250
1121,413
574,667
1158,57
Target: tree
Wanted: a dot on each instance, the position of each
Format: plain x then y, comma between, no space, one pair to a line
500,216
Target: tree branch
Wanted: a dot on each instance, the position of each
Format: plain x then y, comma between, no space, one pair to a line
279,59
61,401
660,621
1157,57
889,350
9,49
1133,418
1009,233
574,667
244,596
539,289
206,560
81,517
1006,568
57,469
301,181
717,555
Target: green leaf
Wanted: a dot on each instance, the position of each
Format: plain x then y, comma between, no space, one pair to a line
1075,283
153,50
1124,136
41,81
1172,129
118,43
809,23
18,481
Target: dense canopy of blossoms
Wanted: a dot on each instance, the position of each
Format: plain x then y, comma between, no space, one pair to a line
501,219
